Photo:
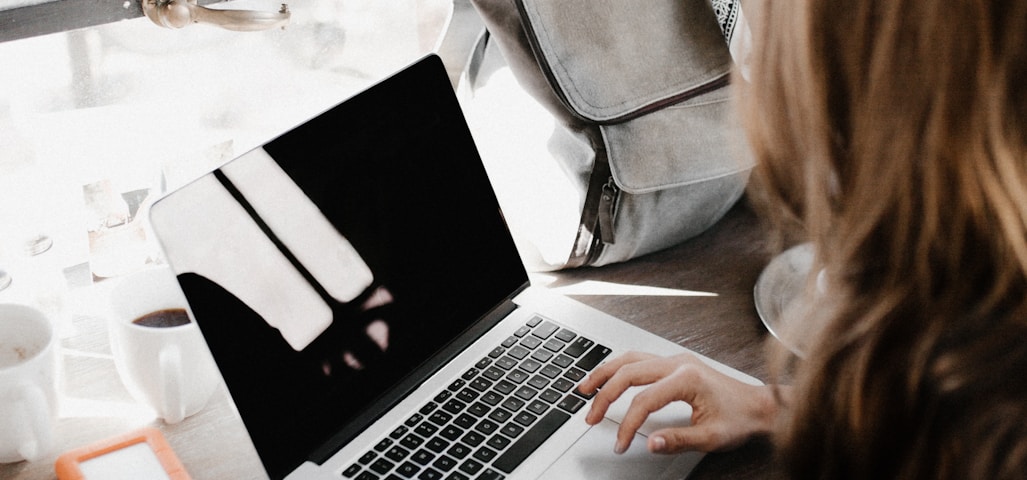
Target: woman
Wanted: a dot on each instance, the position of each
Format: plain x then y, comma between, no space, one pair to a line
893,132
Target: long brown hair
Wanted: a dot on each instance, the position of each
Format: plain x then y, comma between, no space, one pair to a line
895,134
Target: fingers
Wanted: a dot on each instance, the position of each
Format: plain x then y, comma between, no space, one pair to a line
615,377
602,373
685,439
678,385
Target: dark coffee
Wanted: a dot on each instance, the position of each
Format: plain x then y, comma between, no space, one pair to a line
171,317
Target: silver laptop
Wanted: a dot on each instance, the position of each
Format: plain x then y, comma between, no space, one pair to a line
367,308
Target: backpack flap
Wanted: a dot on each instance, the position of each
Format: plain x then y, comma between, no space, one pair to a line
611,60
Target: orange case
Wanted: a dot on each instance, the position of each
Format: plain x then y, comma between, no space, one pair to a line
67,465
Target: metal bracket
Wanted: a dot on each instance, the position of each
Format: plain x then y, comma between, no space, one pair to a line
180,13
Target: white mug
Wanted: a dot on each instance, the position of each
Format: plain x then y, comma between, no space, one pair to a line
168,368
28,383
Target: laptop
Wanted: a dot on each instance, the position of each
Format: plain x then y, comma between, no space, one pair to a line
369,313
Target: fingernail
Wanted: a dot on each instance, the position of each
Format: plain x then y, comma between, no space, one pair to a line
619,448
659,444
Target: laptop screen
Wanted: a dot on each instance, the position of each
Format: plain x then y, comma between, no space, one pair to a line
327,265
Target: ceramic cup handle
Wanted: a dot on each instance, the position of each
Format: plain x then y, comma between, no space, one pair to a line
35,434
172,391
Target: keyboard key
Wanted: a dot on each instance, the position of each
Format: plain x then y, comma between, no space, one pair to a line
457,476
522,331
574,374
456,385
513,404
459,451
444,463
437,445
486,427
565,335
526,393
504,387
351,471
517,376
451,432
397,454
467,395
578,347
454,406
545,330
512,430
426,429
411,441
465,421
538,407
563,385
553,345
535,320
481,384
593,357
491,398
483,363
519,352
471,373
500,415
498,442
365,475
478,409
383,445
563,361
443,396
430,474
527,444
399,432
509,342
428,408
490,474
473,438
382,466
541,355
538,382
493,373
471,466
571,403
422,457
530,342
525,418
530,365
550,371
367,458
408,469
485,454
414,420
440,418
506,362
551,396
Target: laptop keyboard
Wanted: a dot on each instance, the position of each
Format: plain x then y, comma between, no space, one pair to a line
485,423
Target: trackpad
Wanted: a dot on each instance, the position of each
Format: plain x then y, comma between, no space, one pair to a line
592,457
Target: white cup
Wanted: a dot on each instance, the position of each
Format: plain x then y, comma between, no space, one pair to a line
168,368
28,383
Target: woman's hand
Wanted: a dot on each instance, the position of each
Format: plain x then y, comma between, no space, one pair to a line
725,412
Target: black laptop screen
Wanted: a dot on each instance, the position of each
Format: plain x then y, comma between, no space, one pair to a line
396,173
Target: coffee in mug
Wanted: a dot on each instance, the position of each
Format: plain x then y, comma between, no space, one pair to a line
159,352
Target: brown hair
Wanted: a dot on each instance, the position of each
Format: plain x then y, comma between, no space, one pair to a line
895,134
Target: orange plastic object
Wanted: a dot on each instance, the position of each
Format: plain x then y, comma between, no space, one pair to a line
68,465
